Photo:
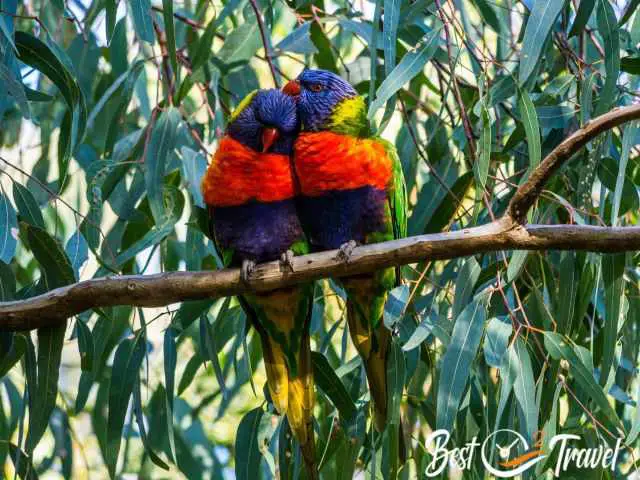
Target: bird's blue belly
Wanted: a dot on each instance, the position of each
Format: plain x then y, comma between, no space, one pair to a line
339,216
260,232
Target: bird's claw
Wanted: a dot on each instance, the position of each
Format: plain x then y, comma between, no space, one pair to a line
346,250
286,260
248,267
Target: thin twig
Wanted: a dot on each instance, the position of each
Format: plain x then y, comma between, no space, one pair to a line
265,42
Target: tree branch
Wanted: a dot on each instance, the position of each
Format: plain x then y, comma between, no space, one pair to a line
529,191
507,233
265,43
163,289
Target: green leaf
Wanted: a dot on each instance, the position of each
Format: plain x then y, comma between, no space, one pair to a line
516,263
77,251
55,268
208,340
15,89
541,21
241,44
609,173
582,17
159,150
630,65
203,52
7,283
481,165
6,29
628,141
137,408
194,166
524,387
50,342
85,345
411,65
111,8
465,285
373,51
325,57
635,424
488,14
192,367
560,349
390,33
8,229
22,462
531,128
327,380
496,341
613,266
13,354
395,382
170,31
395,306
632,6
608,28
142,19
52,63
247,451
126,364
129,77
456,363
449,205
170,363
27,206
298,41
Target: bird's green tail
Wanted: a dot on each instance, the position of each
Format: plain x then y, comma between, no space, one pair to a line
286,347
365,308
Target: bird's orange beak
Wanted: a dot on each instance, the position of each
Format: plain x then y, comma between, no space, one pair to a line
292,88
269,137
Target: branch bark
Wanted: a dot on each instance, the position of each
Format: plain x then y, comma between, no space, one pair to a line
506,233
529,191
158,290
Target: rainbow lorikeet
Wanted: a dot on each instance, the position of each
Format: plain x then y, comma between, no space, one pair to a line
352,191
249,191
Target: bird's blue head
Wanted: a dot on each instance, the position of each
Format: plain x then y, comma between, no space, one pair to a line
266,121
318,92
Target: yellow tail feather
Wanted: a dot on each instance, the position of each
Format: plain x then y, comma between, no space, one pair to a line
365,304
292,395
277,374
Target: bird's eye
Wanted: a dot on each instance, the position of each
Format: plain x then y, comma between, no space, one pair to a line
316,87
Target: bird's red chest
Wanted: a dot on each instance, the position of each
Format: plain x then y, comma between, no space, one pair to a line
238,174
326,161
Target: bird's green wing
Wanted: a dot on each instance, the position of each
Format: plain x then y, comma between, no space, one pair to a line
397,193
397,197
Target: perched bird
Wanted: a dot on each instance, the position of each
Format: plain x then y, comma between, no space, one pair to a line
352,191
249,191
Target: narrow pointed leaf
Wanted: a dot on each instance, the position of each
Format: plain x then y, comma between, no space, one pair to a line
126,364
541,21
457,360
327,380
8,229
247,451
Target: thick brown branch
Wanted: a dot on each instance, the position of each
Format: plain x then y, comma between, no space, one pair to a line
528,192
167,288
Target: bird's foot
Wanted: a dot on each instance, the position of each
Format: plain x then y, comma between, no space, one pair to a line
286,260
346,250
248,267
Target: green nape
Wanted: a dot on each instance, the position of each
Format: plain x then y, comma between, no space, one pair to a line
349,117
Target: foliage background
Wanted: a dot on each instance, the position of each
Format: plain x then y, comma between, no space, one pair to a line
108,112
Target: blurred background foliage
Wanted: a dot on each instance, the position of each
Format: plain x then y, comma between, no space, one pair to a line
109,111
